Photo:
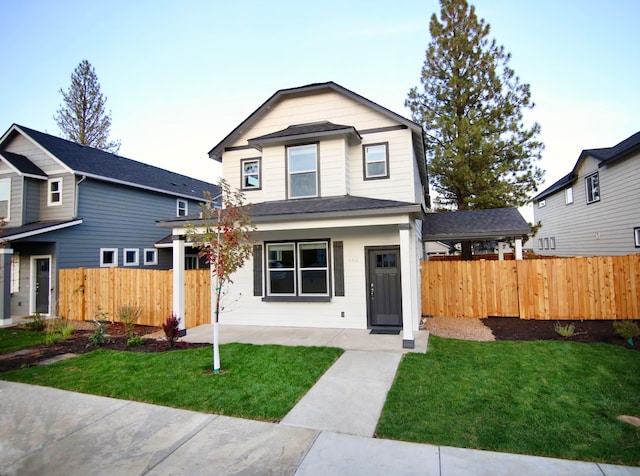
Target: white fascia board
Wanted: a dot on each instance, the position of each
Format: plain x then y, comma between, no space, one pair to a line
40,231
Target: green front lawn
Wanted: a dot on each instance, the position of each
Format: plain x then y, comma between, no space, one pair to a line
545,398
14,339
258,382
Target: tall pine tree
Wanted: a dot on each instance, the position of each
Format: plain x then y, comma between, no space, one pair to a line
471,105
82,117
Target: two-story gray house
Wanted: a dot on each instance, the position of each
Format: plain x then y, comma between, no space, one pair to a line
66,205
595,209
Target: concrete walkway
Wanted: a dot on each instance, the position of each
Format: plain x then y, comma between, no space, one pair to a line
53,432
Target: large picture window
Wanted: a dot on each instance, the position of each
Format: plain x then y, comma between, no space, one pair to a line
302,170
593,188
298,269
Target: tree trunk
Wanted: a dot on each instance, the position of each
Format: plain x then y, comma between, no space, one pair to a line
467,254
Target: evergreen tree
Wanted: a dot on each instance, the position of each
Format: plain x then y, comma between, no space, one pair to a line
471,107
82,117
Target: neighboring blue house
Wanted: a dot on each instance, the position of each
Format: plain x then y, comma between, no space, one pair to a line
66,205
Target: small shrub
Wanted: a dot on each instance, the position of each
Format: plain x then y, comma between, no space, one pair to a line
171,328
129,316
35,323
135,341
565,331
627,330
99,335
57,330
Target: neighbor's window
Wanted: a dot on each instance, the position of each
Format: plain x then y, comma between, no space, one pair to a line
250,174
108,257
5,195
376,161
540,244
54,197
568,195
130,257
542,203
298,269
552,243
636,234
593,188
182,208
302,169
150,256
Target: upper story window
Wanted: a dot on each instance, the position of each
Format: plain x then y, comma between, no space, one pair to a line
376,161
302,171
5,198
54,195
542,203
182,208
250,174
568,195
593,188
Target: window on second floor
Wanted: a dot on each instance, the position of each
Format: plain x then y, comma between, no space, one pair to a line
376,161
593,188
54,194
182,208
302,171
568,195
250,174
5,196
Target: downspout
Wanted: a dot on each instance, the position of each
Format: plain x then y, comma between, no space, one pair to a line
75,205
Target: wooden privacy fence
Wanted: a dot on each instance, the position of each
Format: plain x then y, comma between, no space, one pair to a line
559,288
83,290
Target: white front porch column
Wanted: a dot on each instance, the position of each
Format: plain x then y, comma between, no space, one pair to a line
178,280
408,341
518,248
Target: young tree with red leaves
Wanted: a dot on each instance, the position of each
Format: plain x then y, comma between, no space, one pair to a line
225,242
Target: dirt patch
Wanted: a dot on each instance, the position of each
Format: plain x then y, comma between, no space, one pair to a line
458,328
509,328
153,340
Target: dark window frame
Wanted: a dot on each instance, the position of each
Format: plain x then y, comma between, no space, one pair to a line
288,173
592,193
365,173
243,185
636,236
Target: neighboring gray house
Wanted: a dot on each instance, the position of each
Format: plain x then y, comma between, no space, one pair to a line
595,209
67,205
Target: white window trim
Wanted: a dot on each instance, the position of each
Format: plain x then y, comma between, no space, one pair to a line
131,250
8,217
50,202
115,255
636,232
568,195
15,272
180,201
542,203
152,262
315,170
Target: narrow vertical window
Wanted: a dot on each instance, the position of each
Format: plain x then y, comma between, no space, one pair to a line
250,174
376,161
593,188
568,195
302,169
54,196
15,272
636,235
182,208
5,195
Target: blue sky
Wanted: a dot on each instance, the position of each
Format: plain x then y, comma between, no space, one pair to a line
179,76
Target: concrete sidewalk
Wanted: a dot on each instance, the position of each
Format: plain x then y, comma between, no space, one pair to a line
53,432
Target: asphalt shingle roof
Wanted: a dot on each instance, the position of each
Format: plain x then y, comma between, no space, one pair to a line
474,224
97,163
304,130
23,164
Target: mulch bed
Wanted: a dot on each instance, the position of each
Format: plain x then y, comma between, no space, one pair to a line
510,328
78,343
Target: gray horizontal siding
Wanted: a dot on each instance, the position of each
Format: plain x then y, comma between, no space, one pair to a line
601,228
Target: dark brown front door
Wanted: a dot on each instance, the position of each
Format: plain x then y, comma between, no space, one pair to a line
384,292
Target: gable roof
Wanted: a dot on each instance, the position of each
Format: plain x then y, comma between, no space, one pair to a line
313,208
101,165
469,225
305,131
606,156
416,129
22,165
